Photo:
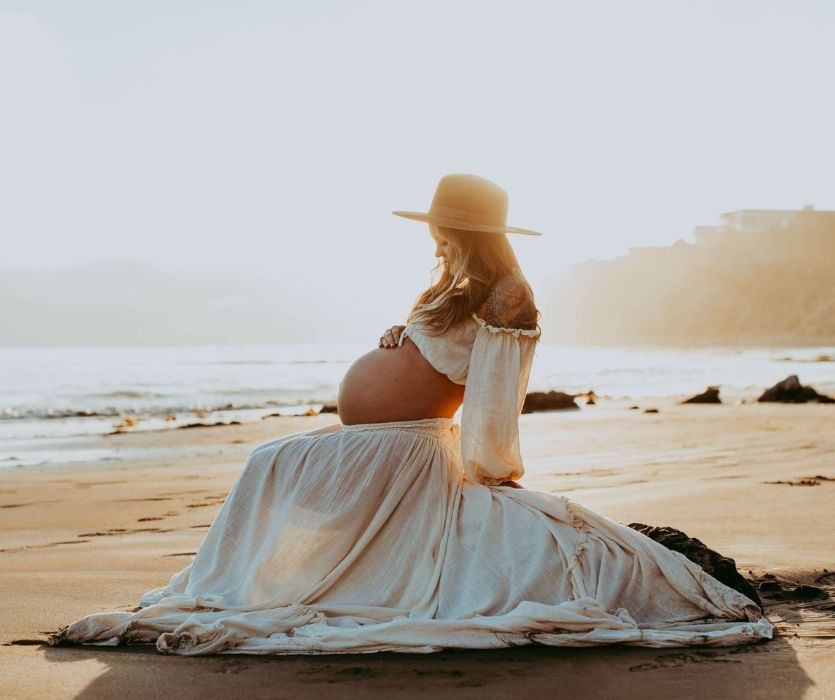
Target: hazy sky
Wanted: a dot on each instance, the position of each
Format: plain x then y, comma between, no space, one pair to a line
250,153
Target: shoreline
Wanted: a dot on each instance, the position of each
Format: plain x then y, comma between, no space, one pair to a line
59,447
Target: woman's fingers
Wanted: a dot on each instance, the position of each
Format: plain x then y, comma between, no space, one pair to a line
391,337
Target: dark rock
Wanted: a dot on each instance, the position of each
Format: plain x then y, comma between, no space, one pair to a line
769,586
790,390
804,592
720,567
551,401
328,408
709,395
650,410
634,408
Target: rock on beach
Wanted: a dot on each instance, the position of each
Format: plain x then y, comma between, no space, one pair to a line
709,395
548,401
790,390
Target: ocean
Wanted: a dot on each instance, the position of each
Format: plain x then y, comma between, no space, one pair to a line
53,396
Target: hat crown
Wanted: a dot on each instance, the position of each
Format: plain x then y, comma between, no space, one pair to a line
471,198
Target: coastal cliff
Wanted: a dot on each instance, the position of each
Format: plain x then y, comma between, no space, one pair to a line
760,278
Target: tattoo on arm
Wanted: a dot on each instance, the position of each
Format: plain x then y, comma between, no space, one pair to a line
508,306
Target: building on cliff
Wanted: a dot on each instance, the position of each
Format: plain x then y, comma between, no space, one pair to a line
750,223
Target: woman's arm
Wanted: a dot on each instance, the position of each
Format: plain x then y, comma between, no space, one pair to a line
497,380
508,305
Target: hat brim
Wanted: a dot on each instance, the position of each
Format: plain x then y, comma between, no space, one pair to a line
466,225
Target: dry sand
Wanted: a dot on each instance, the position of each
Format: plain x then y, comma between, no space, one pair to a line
76,540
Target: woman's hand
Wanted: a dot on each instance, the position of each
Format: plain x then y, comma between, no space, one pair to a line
391,337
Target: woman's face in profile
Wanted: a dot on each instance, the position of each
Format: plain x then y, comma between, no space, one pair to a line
440,243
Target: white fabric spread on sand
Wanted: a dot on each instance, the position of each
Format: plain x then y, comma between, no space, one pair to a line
380,537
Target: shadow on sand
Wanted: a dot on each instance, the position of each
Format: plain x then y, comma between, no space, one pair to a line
764,669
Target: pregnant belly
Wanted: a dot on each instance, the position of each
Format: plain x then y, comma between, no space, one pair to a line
396,384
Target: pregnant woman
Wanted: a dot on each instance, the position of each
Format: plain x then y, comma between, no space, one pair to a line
399,530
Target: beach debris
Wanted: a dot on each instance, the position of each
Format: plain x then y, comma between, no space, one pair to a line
650,410
816,358
799,482
125,423
709,395
634,408
790,390
720,567
207,425
805,481
800,602
170,417
328,408
537,401
788,590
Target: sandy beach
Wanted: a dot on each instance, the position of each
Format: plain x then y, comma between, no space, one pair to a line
82,538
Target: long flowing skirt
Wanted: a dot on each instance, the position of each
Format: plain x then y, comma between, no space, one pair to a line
367,537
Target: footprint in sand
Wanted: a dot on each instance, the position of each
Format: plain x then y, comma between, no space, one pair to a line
88,484
29,503
143,500
42,546
208,501
679,659
123,531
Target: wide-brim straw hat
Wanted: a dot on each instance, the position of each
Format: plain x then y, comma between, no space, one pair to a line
468,202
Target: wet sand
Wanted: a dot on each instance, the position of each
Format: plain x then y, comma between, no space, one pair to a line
79,539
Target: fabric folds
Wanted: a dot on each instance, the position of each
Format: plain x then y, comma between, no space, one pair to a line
367,538
500,366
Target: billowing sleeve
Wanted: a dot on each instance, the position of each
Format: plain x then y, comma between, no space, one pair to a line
497,380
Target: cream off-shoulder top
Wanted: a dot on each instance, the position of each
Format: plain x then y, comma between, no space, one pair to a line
494,364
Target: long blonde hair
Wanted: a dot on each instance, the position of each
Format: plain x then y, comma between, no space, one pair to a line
474,262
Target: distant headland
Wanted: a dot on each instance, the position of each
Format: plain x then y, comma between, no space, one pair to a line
761,277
